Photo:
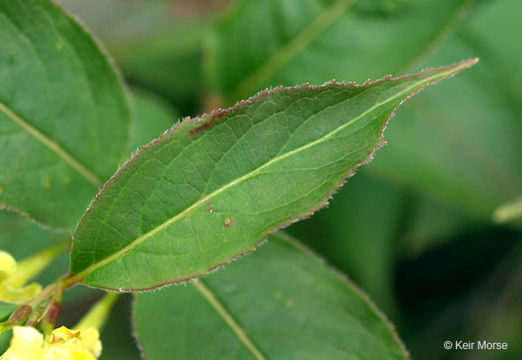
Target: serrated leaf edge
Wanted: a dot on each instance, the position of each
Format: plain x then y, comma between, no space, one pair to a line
443,73
321,262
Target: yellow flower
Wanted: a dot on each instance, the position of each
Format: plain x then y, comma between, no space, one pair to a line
63,344
78,345
12,280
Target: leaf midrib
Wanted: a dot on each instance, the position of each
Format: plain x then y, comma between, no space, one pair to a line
121,253
89,175
236,328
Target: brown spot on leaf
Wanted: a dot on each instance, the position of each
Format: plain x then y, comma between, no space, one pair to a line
210,208
212,120
228,222
1,189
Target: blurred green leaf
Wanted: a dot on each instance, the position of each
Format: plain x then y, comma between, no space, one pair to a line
116,337
460,144
428,225
467,151
476,297
149,226
158,44
23,237
5,338
280,303
64,115
318,40
151,118
346,234
5,310
511,211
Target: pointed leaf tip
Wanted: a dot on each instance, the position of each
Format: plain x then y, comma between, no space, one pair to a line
260,165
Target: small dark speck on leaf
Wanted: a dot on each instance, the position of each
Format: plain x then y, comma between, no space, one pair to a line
228,223
210,208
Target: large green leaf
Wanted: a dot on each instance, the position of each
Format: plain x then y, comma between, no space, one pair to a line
211,188
316,40
464,153
63,113
280,303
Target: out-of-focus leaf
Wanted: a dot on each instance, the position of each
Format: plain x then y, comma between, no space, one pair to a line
158,45
466,152
476,297
509,212
429,224
458,152
6,309
116,336
279,303
346,234
209,190
64,115
409,225
151,118
496,42
316,40
5,338
22,238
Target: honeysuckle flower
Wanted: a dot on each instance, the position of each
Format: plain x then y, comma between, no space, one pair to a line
28,343
11,284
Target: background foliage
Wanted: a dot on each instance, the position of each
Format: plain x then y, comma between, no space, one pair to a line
414,228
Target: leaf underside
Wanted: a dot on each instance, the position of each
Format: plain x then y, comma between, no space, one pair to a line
212,188
279,303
